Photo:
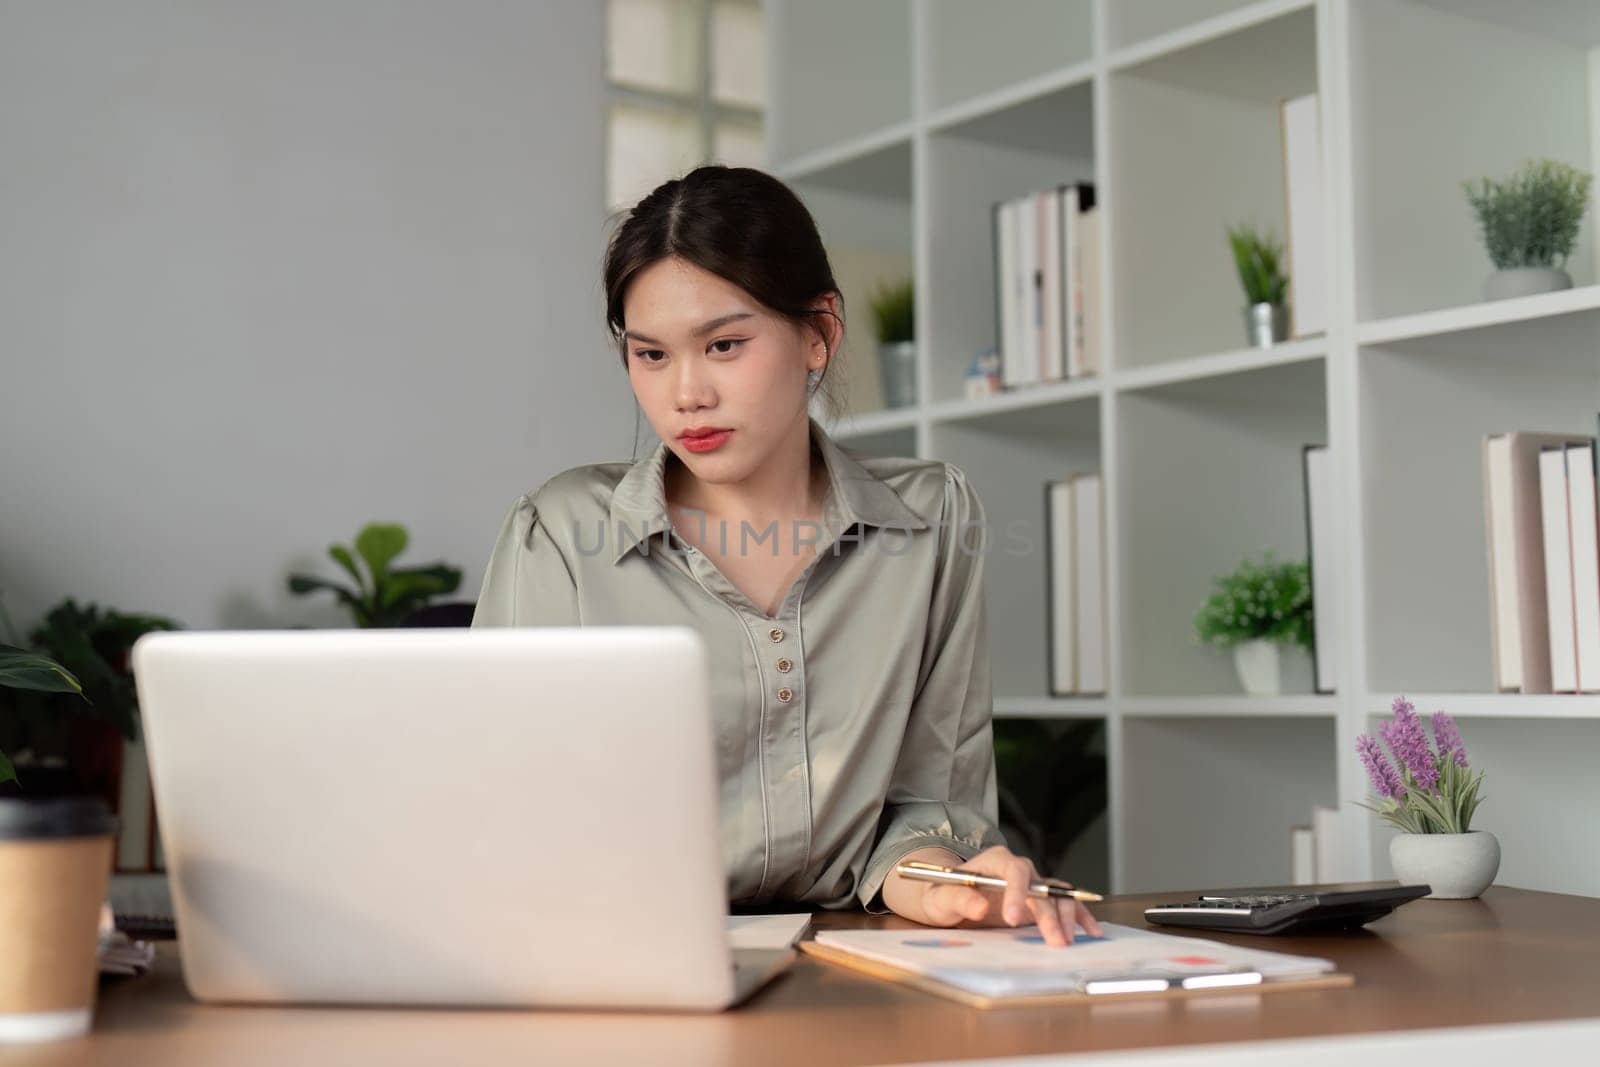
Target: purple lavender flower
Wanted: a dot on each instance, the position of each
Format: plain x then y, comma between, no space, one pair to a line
1384,778
1448,738
1409,743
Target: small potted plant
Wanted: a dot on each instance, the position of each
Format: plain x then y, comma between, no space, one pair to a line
1260,606
384,595
1529,224
1430,794
29,671
1258,256
75,736
893,311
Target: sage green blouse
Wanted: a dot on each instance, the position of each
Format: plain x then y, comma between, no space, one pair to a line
854,725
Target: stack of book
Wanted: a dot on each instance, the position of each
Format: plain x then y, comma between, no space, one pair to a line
1544,562
1047,285
1075,540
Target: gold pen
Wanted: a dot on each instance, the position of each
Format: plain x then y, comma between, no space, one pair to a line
1045,887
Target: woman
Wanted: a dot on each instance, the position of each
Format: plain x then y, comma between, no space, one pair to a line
840,597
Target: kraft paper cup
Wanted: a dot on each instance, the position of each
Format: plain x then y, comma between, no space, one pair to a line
55,862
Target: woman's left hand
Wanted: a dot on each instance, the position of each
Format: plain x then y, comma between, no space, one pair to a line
949,905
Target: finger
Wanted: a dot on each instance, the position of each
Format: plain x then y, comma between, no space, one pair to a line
1091,925
1018,875
949,904
1049,920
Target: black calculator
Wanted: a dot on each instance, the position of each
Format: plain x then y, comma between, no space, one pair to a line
1286,913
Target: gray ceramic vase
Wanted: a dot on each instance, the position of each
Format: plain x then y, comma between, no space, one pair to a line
1524,281
1456,866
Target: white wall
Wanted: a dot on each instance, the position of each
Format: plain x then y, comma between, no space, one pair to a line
271,270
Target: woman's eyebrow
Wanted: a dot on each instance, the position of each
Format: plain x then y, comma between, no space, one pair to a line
698,331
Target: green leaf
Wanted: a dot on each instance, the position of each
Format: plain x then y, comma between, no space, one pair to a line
20,669
8,773
341,555
379,543
306,583
407,586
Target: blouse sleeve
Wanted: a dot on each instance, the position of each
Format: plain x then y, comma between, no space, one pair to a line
942,791
528,581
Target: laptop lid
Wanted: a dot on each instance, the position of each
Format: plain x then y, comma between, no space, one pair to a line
489,817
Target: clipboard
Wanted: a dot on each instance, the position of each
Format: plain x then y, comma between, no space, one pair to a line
928,984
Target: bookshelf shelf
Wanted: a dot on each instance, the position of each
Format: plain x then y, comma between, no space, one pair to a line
874,163
1033,399
1141,30
1525,309
1499,705
1051,707
1288,705
1172,108
1220,364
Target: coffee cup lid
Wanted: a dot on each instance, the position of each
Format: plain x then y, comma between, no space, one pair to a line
24,818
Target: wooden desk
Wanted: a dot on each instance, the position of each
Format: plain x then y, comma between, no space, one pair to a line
1513,956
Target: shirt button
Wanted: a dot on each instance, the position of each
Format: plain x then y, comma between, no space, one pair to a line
776,634
785,695
784,666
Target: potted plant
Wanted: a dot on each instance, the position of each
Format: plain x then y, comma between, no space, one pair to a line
75,736
1529,224
24,670
384,595
1431,796
1258,256
1260,606
893,312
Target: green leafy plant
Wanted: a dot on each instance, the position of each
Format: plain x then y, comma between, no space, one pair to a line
893,310
384,595
1531,218
1258,256
21,669
1264,599
77,666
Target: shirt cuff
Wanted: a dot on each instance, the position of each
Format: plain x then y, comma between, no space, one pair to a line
889,854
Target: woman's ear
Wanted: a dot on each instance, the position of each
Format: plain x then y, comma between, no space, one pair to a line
830,328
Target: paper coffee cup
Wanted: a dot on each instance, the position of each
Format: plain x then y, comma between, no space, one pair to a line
55,861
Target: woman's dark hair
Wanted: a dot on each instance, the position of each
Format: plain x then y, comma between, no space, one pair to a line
740,224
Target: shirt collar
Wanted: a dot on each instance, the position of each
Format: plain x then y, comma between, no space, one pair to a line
639,502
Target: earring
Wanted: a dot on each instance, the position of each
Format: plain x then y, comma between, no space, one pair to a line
813,379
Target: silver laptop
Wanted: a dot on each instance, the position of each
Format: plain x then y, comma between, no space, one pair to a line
493,817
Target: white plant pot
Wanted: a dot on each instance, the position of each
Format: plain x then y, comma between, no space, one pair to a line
1259,667
1456,866
1524,281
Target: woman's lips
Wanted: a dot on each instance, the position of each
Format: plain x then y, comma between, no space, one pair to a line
708,442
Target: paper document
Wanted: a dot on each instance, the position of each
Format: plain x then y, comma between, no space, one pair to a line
766,931
1016,961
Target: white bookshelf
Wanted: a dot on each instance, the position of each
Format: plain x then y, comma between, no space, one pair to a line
900,123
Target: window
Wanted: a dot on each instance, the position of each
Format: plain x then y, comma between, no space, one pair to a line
687,86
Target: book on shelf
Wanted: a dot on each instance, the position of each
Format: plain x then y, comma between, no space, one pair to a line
1307,250
1321,542
1514,517
1075,561
1585,563
1090,342
1046,249
1562,625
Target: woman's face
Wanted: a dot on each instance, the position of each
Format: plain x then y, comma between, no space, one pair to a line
703,354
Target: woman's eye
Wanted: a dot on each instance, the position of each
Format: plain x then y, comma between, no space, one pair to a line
643,355
731,342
